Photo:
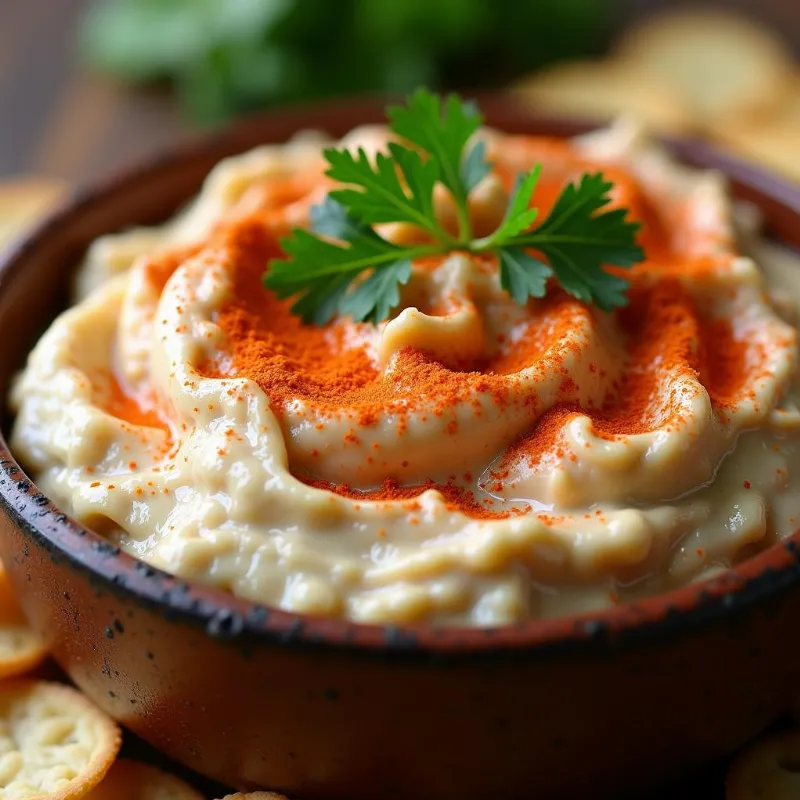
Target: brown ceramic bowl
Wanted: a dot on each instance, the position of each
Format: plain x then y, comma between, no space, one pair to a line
588,706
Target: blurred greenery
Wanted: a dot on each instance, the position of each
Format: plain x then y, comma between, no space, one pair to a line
224,57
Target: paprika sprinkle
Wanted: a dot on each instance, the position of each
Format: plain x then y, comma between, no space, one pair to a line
470,458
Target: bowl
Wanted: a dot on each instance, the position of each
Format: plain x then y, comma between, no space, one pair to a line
590,705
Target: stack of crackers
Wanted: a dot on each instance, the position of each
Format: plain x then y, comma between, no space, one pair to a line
689,71
55,744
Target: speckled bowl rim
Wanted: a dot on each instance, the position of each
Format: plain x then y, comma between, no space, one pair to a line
758,580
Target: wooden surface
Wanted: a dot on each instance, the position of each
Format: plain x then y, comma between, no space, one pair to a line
58,120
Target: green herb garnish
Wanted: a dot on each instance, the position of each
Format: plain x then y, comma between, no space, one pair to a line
344,266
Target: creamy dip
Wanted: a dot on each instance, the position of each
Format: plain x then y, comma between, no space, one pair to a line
470,460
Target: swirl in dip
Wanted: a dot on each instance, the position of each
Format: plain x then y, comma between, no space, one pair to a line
469,461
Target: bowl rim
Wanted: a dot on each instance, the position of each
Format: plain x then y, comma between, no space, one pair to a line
222,615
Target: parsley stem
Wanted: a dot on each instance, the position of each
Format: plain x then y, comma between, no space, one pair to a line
356,265
534,239
445,241
486,243
464,222
422,251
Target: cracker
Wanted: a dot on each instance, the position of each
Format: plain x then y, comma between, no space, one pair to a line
132,780
603,90
720,61
773,145
54,743
786,110
23,201
254,796
771,137
21,648
767,770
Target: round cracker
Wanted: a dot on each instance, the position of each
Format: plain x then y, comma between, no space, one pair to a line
132,780
55,743
23,201
719,60
771,137
786,110
783,112
254,796
603,90
767,770
21,648
772,144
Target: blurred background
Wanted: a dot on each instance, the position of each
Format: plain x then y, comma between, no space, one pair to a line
86,86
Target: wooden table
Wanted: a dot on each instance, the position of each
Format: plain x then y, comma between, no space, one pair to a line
58,120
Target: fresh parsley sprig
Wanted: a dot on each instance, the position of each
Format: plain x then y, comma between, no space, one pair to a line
343,266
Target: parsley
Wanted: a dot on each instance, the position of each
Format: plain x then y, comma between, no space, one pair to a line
344,266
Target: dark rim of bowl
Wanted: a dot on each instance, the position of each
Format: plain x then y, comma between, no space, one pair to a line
761,579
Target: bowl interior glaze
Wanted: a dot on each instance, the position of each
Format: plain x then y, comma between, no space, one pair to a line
148,194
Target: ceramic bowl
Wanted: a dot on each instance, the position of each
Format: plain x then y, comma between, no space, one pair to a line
604,703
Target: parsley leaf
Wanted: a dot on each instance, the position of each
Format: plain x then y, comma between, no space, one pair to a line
519,214
578,242
343,266
522,275
375,297
380,197
321,299
475,167
319,272
443,133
